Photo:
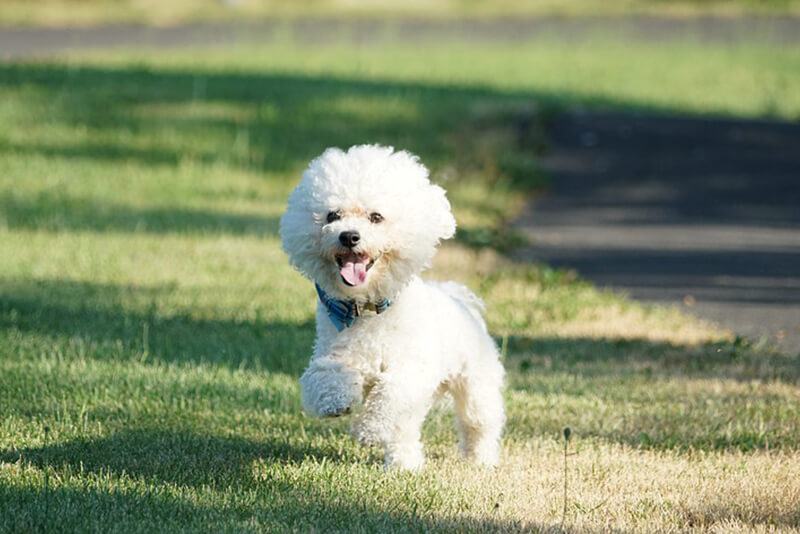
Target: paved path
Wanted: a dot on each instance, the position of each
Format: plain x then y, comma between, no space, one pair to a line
700,213
18,43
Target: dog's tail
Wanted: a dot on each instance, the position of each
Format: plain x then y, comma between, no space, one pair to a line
471,302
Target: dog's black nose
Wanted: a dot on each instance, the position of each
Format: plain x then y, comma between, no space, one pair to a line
350,238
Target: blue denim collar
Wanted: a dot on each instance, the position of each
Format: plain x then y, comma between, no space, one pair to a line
343,313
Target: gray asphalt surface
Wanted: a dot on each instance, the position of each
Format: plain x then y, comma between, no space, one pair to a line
699,213
26,42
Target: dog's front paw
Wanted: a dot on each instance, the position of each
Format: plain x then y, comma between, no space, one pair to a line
334,411
325,393
331,405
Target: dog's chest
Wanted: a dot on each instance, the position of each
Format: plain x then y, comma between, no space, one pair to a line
373,343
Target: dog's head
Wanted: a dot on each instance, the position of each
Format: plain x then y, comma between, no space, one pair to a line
362,222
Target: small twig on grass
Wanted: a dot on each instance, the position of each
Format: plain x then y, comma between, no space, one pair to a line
567,434
145,342
46,515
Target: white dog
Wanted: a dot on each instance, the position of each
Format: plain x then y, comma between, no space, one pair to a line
362,224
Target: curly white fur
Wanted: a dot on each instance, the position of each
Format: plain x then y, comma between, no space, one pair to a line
431,340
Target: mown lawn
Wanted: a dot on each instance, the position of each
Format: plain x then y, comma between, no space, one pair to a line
87,12
152,333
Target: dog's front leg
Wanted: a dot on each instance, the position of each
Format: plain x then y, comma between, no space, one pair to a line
330,388
392,416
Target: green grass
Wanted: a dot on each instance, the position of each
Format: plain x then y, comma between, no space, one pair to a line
747,79
83,12
152,332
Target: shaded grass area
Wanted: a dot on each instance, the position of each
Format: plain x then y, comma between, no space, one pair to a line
194,153
57,211
126,322
141,479
152,333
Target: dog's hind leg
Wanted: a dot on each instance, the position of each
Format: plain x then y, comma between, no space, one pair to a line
479,409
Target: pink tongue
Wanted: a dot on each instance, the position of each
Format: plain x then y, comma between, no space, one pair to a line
354,273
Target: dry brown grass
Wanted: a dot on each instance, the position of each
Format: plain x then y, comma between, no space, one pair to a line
597,315
616,485
618,488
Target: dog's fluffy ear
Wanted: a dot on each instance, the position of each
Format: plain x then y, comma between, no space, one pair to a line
442,220
438,217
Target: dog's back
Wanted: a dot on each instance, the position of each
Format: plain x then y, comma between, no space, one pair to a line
466,298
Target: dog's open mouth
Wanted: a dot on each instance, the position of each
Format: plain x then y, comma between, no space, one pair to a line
353,267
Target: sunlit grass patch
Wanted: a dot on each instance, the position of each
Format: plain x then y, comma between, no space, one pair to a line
152,332
70,12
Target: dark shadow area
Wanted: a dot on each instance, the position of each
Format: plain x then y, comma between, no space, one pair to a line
98,151
50,211
300,509
749,513
61,510
172,456
604,357
203,463
648,170
678,209
112,320
262,123
277,122
280,120
504,240
759,277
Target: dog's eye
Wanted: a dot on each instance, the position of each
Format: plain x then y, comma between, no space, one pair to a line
375,217
334,216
